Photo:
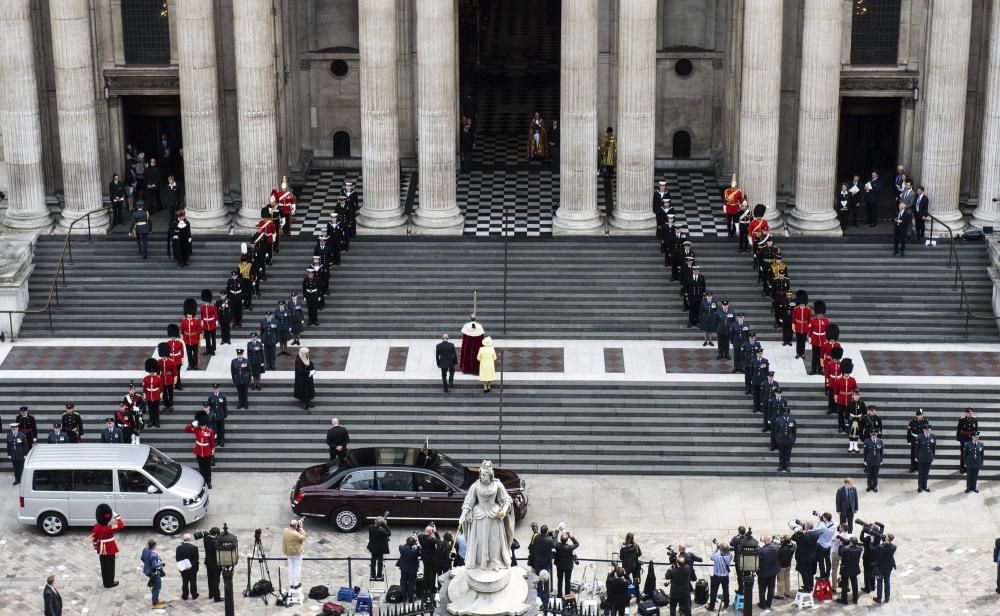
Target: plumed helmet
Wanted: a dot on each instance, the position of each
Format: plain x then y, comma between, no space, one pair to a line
819,307
103,514
206,295
759,209
833,332
173,330
201,417
801,297
162,349
837,353
846,365
190,306
151,365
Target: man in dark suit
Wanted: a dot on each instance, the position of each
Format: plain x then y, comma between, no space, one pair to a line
921,208
873,190
767,572
900,229
337,439
212,567
885,562
847,504
850,569
429,541
447,359
679,577
806,552
540,551
856,190
408,563
189,578
52,598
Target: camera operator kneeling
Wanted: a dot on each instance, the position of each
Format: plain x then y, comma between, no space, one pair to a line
679,577
850,569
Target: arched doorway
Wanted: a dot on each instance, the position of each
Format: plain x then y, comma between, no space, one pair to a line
681,144
341,144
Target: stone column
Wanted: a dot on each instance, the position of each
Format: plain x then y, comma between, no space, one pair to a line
819,120
74,70
436,117
760,104
636,114
944,103
196,58
578,114
987,213
379,130
20,122
255,101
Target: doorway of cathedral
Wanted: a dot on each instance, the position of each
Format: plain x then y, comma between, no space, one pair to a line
148,119
869,139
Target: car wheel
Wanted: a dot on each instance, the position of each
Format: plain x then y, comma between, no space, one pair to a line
169,522
346,520
52,523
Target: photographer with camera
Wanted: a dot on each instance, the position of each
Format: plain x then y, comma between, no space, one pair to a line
152,568
806,553
828,530
564,560
786,551
378,547
409,564
679,577
885,562
617,589
871,538
429,542
212,568
722,561
293,541
850,569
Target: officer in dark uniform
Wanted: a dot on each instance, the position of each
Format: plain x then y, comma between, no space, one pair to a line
17,450
752,365
926,449
353,205
724,319
225,316
234,289
72,424
694,293
218,411
296,311
748,354
269,338
973,453
284,319
764,390
784,318
913,431
311,291
255,355
874,450
967,426
112,433
28,426
674,242
240,370
739,332
679,259
775,408
335,235
785,428
57,436
322,270
871,423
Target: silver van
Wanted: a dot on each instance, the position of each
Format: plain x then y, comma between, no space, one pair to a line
62,486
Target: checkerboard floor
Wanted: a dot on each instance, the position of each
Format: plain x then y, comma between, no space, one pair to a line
319,196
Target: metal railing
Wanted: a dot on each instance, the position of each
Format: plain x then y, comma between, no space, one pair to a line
60,271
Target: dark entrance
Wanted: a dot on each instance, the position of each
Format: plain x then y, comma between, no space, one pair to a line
149,117
869,140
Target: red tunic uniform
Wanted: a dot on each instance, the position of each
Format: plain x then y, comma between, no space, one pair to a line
168,371
801,315
286,201
732,198
191,331
265,227
209,317
817,330
843,387
152,387
757,228
831,370
204,440
826,350
176,352
103,538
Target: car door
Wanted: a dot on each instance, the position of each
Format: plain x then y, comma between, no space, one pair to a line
395,488
435,498
135,501
358,490
91,487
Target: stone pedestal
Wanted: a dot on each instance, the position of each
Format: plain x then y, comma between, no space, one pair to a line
16,265
486,593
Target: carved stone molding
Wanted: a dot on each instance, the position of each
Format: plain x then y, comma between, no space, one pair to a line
883,83
142,81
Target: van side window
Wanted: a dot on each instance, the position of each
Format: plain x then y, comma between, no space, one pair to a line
92,481
133,481
44,480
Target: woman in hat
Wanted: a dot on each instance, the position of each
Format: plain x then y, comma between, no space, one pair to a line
305,390
102,538
487,357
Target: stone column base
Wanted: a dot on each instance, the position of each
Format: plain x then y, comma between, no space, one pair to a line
35,221
381,219
437,222
213,222
821,224
586,222
16,265
985,219
98,222
631,223
952,220
246,218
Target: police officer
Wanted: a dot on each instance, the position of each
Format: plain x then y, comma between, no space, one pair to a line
967,426
785,428
218,410
739,333
913,431
112,433
310,290
269,338
17,450
255,355
724,319
874,450
973,453
240,369
926,448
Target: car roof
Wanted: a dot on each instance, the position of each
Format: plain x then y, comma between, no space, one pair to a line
86,455
411,457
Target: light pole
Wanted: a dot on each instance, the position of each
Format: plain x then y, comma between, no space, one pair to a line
749,563
227,553
500,416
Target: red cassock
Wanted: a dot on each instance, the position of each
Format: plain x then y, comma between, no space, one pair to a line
204,440
472,341
209,317
843,387
817,330
801,315
176,352
191,331
168,371
103,538
152,387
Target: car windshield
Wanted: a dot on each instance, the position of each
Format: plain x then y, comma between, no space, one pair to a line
161,468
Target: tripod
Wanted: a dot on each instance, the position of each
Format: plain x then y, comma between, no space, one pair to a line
263,587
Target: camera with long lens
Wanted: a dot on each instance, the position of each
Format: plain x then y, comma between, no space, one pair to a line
876,529
671,556
201,534
256,534
715,541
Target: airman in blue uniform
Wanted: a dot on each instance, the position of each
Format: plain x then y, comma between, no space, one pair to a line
241,373
269,338
973,453
255,355
874,451
926,449
785,429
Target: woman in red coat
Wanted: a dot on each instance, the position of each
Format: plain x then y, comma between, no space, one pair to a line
103,539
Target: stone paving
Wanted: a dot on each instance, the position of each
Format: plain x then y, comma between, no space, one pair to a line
944,558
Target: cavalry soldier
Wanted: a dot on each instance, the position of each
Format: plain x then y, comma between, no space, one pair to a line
874,449
218,405
169,374
225,316
818,325
72,423
240,370
268,231
967,426
274,214
28,427
152,391
285,199
973,453
831,371
801,316
255,355
234,292
311,291
176,348
191,333
914,429
733,201
785,431
204,445
209,320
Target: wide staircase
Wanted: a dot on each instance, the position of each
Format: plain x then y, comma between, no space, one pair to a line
657,428
597,288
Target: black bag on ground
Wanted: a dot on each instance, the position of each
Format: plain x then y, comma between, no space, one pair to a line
660,598
648,608
394,594
261,588
319,593
701,592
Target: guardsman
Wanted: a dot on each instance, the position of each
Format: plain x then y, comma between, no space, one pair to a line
17,450
57,436
28,426
248,280
191,333
739,334
967,426
856,412
204,445
694,293
269,338
733,200
152,391
234,291
286,205
111,433
914,429
240,370
296,310
775,409
267,230
973,453
831,371
784,314
785,430
724,319
72,423
832,342
225,315
801,316
255,355
274,213
752,363
874,449
926,450
818,325
102,537
764,392
209,320
310,291
284,319
168,374
843,387
218,411
176,347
